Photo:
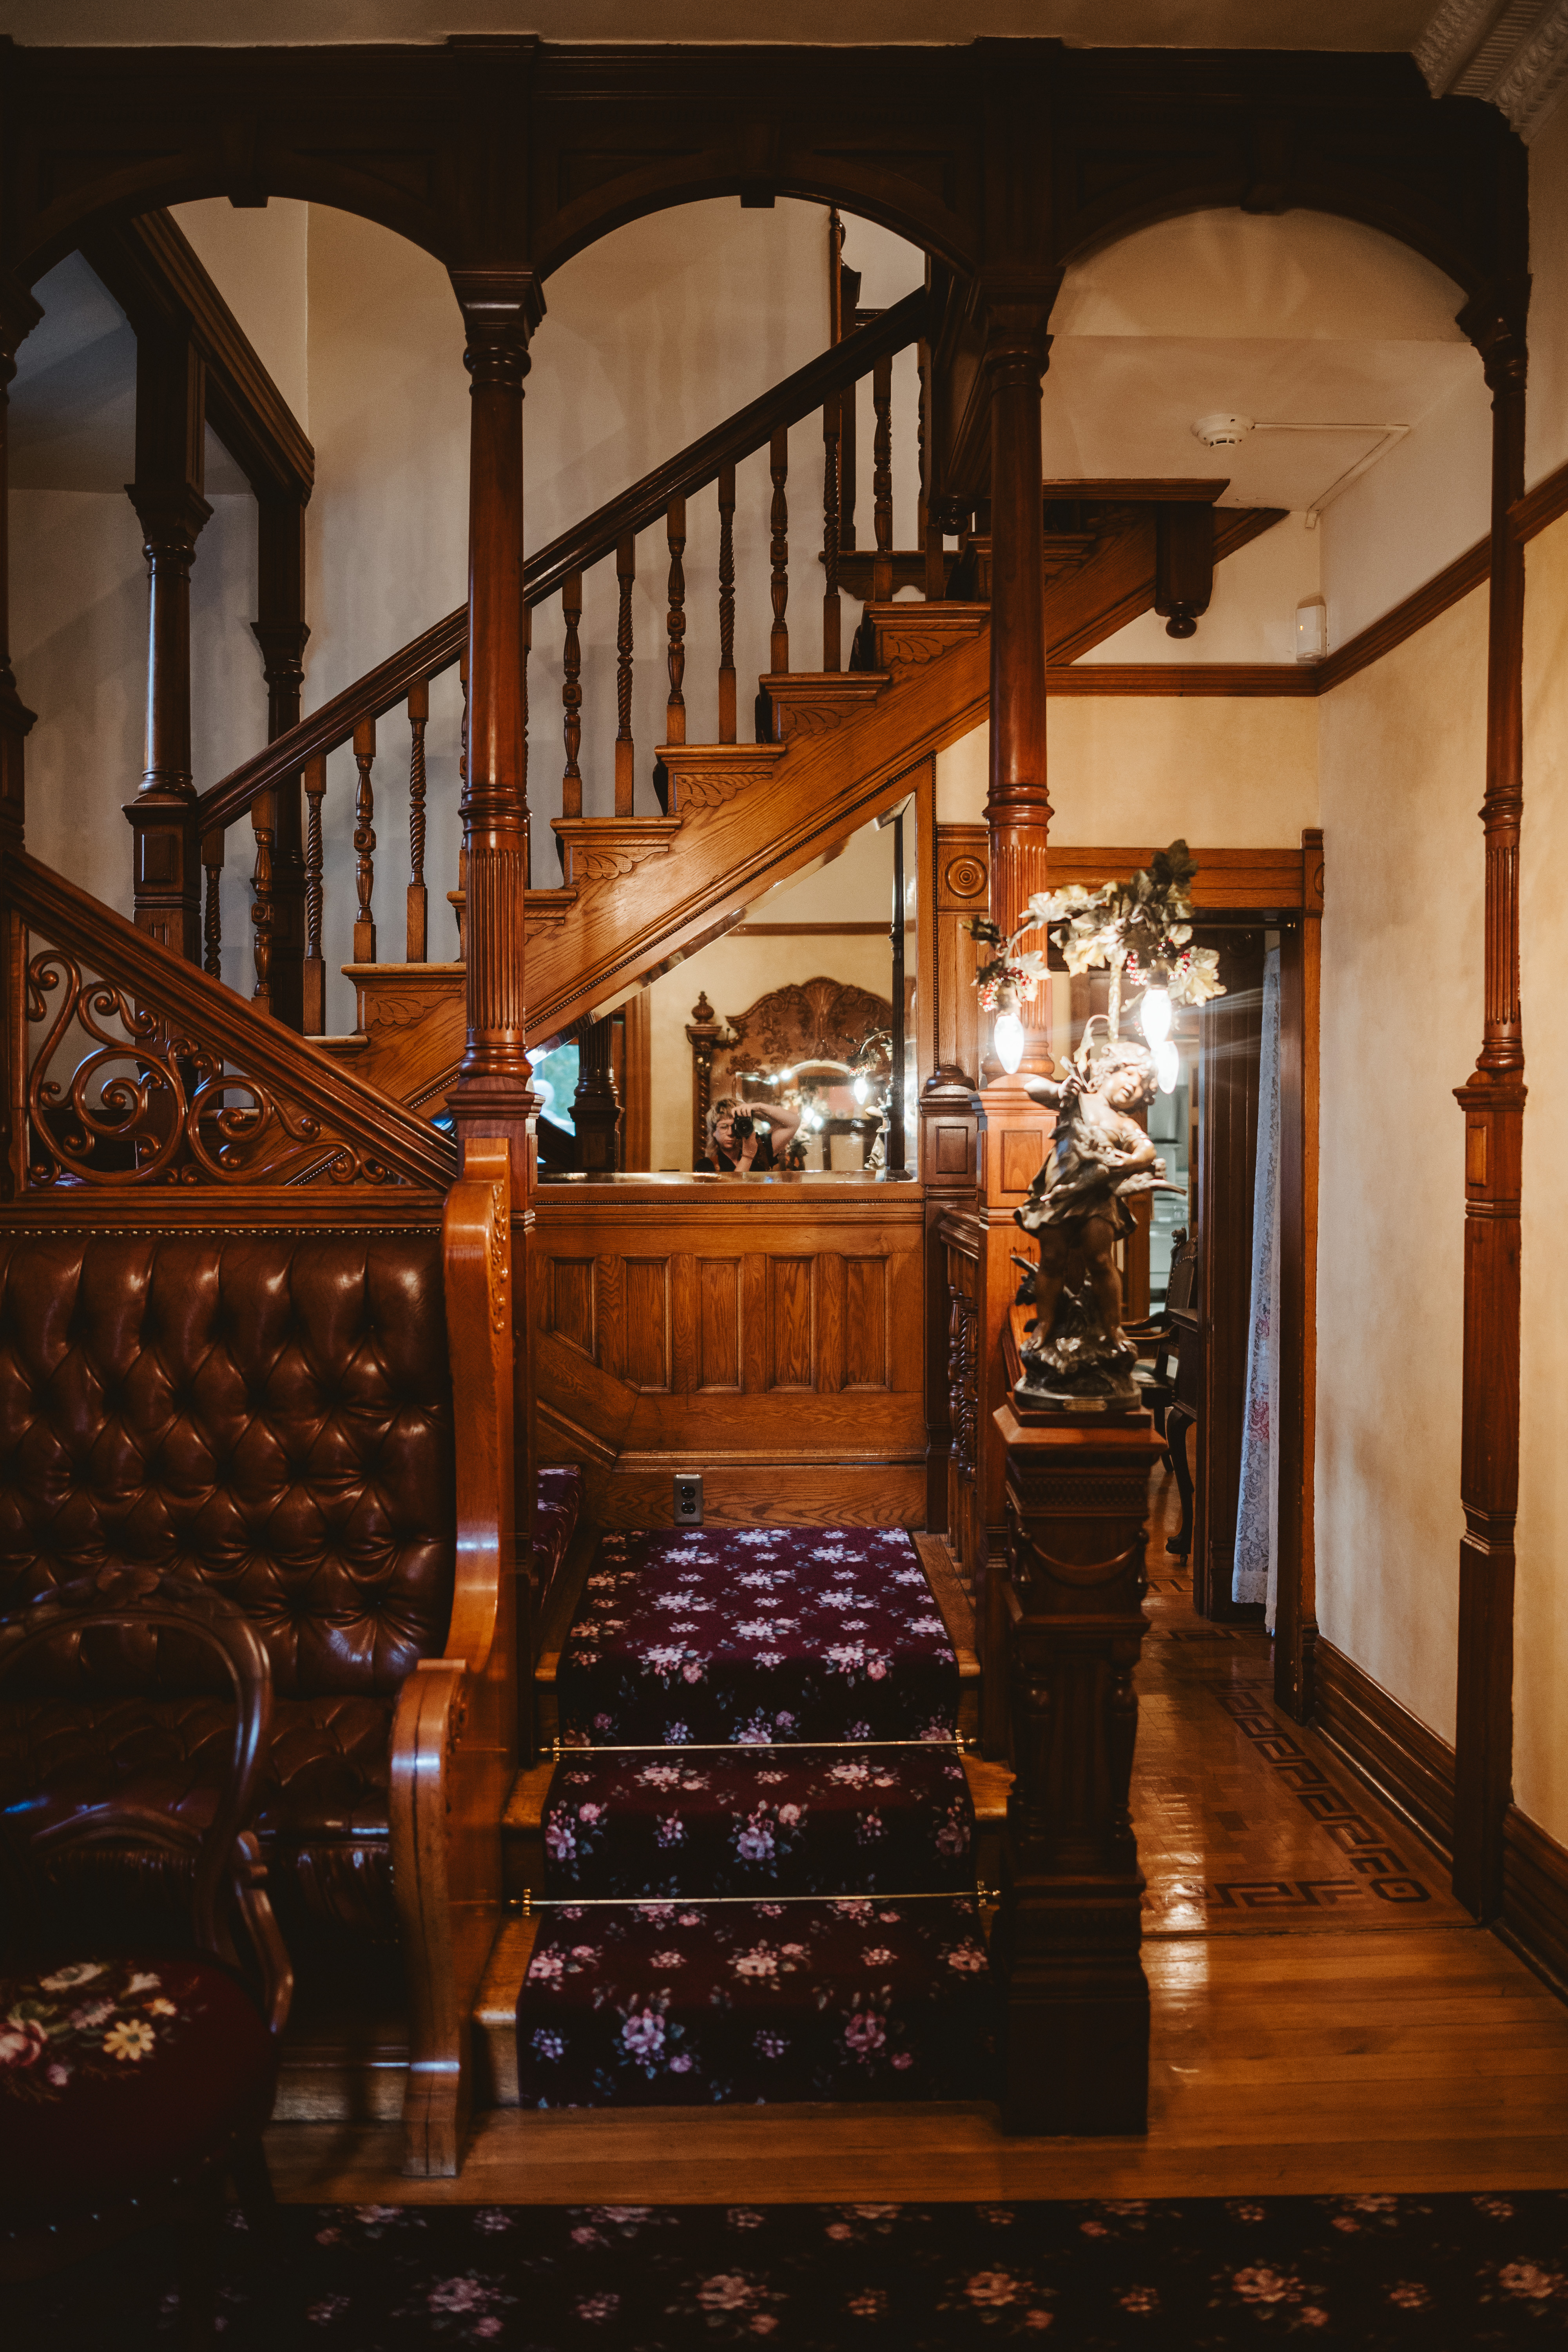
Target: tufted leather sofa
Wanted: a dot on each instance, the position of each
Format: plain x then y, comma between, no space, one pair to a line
272,1416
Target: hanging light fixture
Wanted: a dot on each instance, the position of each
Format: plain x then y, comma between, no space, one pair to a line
1167,1064
1007,1036
1156,1011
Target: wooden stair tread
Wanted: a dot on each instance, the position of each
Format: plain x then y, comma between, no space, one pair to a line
525,1806
990,1786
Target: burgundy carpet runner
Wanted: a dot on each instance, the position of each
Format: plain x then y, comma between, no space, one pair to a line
766,1716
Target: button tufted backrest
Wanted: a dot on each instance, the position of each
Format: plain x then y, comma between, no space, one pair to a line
271,1415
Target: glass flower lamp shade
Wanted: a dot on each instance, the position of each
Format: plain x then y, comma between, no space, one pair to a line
1156,1011
1008,1038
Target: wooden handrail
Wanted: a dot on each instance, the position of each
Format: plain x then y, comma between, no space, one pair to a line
75,923
750,429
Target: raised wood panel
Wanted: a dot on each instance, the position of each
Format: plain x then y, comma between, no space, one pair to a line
571,1309
792,1358
866,1335
776,1344
646,1349
719,1324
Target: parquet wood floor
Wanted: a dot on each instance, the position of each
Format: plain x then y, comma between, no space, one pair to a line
1325,2017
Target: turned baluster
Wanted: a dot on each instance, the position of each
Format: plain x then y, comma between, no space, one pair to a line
212,928
832,648
263,913
315,1017
675,627
882,479
418,897
572,694
364,841
726,604
626,572
929,529
778,466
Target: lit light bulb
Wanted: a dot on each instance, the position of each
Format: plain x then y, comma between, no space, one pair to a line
1009,1039
1167,1066
861,1090
1156,1011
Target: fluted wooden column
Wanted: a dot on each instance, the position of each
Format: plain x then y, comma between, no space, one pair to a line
171,422
1017,808
501,309
1492,1100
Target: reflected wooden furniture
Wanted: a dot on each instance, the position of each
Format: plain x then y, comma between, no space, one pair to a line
806,1027
87,2164
766,1330
1155,1337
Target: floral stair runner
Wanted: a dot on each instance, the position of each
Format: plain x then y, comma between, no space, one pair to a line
767,1715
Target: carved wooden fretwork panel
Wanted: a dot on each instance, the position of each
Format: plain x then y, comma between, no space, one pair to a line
819,1020
118,1095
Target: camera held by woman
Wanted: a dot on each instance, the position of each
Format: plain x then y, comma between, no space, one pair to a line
741,1135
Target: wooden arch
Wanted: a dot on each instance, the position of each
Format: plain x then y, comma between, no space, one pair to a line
997,155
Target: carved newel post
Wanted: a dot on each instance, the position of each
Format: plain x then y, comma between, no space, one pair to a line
595,1105
1066,1943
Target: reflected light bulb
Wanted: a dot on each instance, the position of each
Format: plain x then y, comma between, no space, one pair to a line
1009,1039
1156,1012
1167,1066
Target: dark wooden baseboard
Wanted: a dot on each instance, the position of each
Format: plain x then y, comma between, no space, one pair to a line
1388,1746
1535,1896
1413,1769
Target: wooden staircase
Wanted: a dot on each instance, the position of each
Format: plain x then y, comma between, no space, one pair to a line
639,892
522,1850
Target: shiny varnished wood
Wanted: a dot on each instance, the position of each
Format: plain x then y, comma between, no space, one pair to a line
454,1739
1298,2048
768,1331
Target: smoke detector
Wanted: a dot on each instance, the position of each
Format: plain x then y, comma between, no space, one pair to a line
1222,432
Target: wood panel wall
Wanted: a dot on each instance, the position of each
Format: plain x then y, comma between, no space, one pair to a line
770,1335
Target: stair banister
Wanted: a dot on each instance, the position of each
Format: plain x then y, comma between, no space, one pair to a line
425,657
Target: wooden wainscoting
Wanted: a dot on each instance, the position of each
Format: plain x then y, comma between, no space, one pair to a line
767,1333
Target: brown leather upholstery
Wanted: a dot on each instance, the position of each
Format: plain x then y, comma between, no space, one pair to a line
269,1414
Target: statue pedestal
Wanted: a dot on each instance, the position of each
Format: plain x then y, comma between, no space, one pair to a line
1065,1945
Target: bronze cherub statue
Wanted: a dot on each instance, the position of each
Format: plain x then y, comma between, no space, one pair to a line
1078,1357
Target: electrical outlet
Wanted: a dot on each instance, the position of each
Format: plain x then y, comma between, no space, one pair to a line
688,1498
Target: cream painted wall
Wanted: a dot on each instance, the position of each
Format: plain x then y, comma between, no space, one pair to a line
1546,413
856,887
78,637
1541,1604
1403,760
259,261
1420,507
1138,768
1252,611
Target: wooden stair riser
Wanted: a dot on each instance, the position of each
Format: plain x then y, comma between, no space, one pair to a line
819,702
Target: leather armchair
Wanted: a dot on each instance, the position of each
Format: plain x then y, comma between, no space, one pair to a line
320,1427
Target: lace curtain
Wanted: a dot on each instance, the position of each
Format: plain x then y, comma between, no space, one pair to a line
1255,1573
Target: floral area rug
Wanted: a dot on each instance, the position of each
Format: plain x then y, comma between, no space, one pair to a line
1431,2273
763,1714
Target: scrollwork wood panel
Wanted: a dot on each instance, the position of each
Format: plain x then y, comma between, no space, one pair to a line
777,1346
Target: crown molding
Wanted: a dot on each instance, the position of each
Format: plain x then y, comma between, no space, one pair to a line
1512,53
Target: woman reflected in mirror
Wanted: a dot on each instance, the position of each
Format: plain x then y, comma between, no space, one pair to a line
746,1138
